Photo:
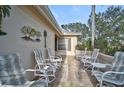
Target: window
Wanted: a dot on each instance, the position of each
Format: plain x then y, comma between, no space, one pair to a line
64,44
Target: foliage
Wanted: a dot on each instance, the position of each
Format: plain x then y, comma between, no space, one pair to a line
80,47
109,33
4,12
86,44
78,27
101,43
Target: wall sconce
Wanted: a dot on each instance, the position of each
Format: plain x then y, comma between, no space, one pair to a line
45,35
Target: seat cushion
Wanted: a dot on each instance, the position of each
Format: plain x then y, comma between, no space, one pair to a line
108,78
11,71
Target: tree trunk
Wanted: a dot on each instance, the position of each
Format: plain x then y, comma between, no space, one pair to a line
93,25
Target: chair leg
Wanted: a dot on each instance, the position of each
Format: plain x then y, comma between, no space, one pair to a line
101,83
50,74
86,69
47,80
92,71
97,85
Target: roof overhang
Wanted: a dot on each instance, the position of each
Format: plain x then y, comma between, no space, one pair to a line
44,9
71,34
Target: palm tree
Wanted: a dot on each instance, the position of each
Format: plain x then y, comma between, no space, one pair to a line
4,12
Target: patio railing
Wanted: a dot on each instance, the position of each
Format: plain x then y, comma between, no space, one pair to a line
103,58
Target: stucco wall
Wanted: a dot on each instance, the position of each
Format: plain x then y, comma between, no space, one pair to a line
12,42
73,45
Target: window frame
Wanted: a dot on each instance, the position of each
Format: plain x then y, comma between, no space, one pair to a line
68,46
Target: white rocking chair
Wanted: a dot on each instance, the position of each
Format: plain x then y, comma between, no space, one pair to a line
114,77
82,55
56,59
12,74
88,60
44,69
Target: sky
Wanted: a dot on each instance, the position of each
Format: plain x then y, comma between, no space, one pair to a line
65,14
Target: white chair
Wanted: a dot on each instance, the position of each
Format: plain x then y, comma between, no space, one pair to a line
43,67
56,59
79,57
114,77
88,60
13,74
99,66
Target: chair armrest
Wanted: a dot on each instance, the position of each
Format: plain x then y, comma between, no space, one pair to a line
108,72
44,64
100,65
34,70
48,59
58,56
111,72
110,65
52,60
31,70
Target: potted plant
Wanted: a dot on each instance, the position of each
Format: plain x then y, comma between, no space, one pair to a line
4,12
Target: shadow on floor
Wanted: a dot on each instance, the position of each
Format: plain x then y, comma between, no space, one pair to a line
92,78
77,77
56,82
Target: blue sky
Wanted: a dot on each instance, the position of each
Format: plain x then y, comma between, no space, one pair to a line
74,13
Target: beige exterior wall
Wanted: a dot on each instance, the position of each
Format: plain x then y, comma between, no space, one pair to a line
12,42
73,45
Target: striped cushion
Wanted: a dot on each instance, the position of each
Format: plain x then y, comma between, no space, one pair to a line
11,71
118,66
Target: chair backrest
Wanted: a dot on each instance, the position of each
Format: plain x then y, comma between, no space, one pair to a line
49,53
11,70
85,51
95,54
118,65
118,61
39,56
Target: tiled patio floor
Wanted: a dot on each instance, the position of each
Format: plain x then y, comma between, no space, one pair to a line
72,75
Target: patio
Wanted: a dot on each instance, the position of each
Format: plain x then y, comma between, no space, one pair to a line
73,75
40,20
71,72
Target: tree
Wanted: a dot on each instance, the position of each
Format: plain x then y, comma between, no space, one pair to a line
4,12
78,27
109,33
